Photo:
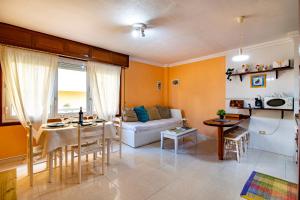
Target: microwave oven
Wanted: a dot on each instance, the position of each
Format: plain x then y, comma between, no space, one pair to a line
279,103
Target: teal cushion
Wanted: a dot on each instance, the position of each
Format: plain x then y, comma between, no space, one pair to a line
141,113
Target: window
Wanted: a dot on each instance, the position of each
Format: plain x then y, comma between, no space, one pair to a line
71,91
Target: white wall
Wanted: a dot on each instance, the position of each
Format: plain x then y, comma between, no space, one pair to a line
280,133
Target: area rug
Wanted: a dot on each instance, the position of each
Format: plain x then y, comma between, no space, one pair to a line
8,185
261,186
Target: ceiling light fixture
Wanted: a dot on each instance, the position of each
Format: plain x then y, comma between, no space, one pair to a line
139,30
240,57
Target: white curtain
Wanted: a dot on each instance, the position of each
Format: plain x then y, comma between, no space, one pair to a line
105,88
29,77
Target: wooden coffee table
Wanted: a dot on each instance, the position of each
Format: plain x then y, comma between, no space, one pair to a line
176,134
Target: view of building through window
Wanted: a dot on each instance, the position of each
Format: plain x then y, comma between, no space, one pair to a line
71,94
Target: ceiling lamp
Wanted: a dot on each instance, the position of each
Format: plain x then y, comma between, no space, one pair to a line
139,30
240,57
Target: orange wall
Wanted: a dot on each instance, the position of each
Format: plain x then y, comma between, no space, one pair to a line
140,84
201,91
12,141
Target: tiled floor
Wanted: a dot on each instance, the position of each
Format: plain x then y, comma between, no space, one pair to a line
154,174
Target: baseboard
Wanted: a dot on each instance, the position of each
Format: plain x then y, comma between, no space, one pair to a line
13,159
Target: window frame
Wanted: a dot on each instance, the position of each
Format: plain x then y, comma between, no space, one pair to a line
54,99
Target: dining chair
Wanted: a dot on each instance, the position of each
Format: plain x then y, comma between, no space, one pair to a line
57,154
90,141
117,123
35,156
234,141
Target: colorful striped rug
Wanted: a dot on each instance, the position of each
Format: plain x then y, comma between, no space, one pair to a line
261,186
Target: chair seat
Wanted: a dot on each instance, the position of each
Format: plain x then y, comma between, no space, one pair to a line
235,134
88,148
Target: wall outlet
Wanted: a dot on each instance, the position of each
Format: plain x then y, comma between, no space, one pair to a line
262,132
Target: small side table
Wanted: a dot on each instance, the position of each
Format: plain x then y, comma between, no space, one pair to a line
176,134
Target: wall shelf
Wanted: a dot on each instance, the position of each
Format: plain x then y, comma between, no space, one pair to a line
282,110
276,70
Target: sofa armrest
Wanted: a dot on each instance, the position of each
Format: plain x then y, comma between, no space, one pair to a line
176,113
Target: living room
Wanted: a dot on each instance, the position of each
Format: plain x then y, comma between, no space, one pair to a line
197,100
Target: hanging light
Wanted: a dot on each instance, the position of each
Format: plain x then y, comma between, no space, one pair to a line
240,57
139,30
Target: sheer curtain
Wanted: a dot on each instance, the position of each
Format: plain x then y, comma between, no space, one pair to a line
105,88
29,77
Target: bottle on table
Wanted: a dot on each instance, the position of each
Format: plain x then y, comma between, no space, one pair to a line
80,119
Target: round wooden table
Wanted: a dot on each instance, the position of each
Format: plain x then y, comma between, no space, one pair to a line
221,124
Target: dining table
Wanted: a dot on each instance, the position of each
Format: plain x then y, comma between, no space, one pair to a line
52,138
221,124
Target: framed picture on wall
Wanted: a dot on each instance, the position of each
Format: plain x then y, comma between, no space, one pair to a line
258,81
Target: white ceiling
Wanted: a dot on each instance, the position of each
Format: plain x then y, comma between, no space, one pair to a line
179,30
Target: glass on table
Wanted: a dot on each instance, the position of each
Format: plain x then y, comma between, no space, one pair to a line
62,118
95,116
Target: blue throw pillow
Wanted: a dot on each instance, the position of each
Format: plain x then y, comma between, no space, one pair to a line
141,113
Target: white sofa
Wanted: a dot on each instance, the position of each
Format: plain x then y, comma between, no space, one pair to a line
136,134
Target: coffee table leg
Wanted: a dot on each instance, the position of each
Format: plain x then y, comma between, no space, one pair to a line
176,145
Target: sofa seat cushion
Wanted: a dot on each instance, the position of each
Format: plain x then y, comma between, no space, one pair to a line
139,126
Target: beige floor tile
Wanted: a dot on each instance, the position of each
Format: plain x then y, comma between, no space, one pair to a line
150,173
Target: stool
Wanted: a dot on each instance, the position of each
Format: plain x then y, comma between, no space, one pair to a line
235,139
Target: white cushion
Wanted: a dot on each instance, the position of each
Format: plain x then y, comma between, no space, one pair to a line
141,126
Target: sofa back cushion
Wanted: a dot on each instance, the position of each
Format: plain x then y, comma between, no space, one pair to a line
129,115
153,113
164,112
141,113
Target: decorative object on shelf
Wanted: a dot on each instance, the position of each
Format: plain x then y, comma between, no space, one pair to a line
259,67
229,73
267,67
158,85
258,81
236,103
258,102
282,63
245,68
221,113
240,57
175,82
